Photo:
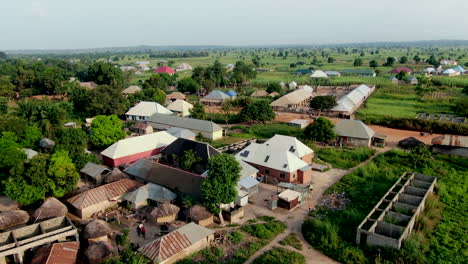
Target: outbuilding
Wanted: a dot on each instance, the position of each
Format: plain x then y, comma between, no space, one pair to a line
164,213
94,172
289,199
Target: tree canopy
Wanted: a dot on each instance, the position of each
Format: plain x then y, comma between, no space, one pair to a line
320,130
274,87
105,74
323,103
220,185
188,85
198,111
106,130
259,110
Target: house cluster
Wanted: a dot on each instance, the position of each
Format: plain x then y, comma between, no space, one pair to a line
345,72
140,67
454,71
218,97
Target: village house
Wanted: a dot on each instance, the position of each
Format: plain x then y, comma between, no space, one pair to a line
143,110
181,133
400,69
95,173
165,69
296,99
319,74
149,193
178,244
260,93
332,73
126,151
449,62
87,203
131,90
359,72
215,97
57,253
175,96
451,145
88,85
281,158
205,128
163,214
357,134
180,107
184,67
303,71
141,129
348,104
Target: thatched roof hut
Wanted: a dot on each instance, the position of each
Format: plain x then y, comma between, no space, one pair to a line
115,175
49,209
97,229
7,204
13,218
200,215
100,252
165,213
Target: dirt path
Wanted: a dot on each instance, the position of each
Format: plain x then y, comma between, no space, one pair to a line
294,219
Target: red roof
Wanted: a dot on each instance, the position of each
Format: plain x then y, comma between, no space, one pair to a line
164,69
63,253
399,69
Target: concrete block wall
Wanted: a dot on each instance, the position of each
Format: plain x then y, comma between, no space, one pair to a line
388,224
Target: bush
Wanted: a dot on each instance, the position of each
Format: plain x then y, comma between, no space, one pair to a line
344,158
236,237
292,240
279,255
265,231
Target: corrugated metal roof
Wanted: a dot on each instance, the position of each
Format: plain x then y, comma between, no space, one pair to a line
103,193
289,195
217,95
184,122
292,98
139,144
181,133
147,109
63,253
94,170
451,140
353,99
150,191
319,74
247,182
180,106
131,89
171,244
354,129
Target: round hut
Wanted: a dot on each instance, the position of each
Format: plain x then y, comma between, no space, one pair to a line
115,175
165,213
100,252
200,215
13,218
97,230
51,208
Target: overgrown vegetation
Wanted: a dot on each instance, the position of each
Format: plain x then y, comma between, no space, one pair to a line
263,131
292,240
280,255
266,230
344,158
333,232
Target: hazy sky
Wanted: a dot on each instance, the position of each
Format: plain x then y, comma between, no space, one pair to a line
63,24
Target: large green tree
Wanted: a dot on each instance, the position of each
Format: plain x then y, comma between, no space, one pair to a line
323,103
274,87
7,88
423,87
461,106
220,185
357,62
62,173
373,64
259,110
158,81
106,74
72,140
188,85
106,130
320,130
198,111
3,105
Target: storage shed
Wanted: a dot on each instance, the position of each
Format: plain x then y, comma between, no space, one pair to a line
289,199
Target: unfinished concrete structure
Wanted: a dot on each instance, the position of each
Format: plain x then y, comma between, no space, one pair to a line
393,218
16,242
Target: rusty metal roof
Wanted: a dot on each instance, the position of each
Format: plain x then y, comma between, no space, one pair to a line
103,193
451,140
173,243
63,253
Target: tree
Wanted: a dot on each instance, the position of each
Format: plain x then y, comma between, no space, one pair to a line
3,105
10,151
220,185
416,58
402,76
373,64
331,60
465,90
433,61
103,100
188,159
7,88
403,59
72,140
31,136
461,106
242,72
106,130
198,111
106,74
390,61
357,62
62,173
259,110
157,81
423,86
3,55
320,130
188,85
227,108
274,87
323,103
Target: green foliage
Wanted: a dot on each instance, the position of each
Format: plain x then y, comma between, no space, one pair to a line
390,61
106,130
423,87
189,159
158,81
10,152
236,237
292,240
220,185
72,140
3,105
267,230
31,136
274,87
461,106
269,130
323,103
320,130
242,72
280,256
122,239
198,111
403,59
373,64
188,85
402,76
80,160
106,74
357,62
62,174
7,88
45,114
259,110
344,158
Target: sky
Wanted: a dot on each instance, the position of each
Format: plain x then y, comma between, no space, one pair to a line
69,24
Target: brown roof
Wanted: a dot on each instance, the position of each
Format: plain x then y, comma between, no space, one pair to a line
115,175
199,212
451,140
176,95
166,246
97,228
63,253
100,252
103,193
140,125
260,93
165,209
51,208
89,85
13,218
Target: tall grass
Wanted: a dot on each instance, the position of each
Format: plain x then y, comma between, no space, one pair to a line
449,81
344,158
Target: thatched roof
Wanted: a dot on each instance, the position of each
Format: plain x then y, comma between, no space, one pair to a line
97,228
7,204
49,209
198,212
165,209
99,252
115,175
13,218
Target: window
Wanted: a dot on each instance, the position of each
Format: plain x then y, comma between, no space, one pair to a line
267,171
282,175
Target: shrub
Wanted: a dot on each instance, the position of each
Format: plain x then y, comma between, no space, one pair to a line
236,237
292,240
344,158
279,255
265,231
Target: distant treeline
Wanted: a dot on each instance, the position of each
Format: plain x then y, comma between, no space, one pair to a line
179,54
430,126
